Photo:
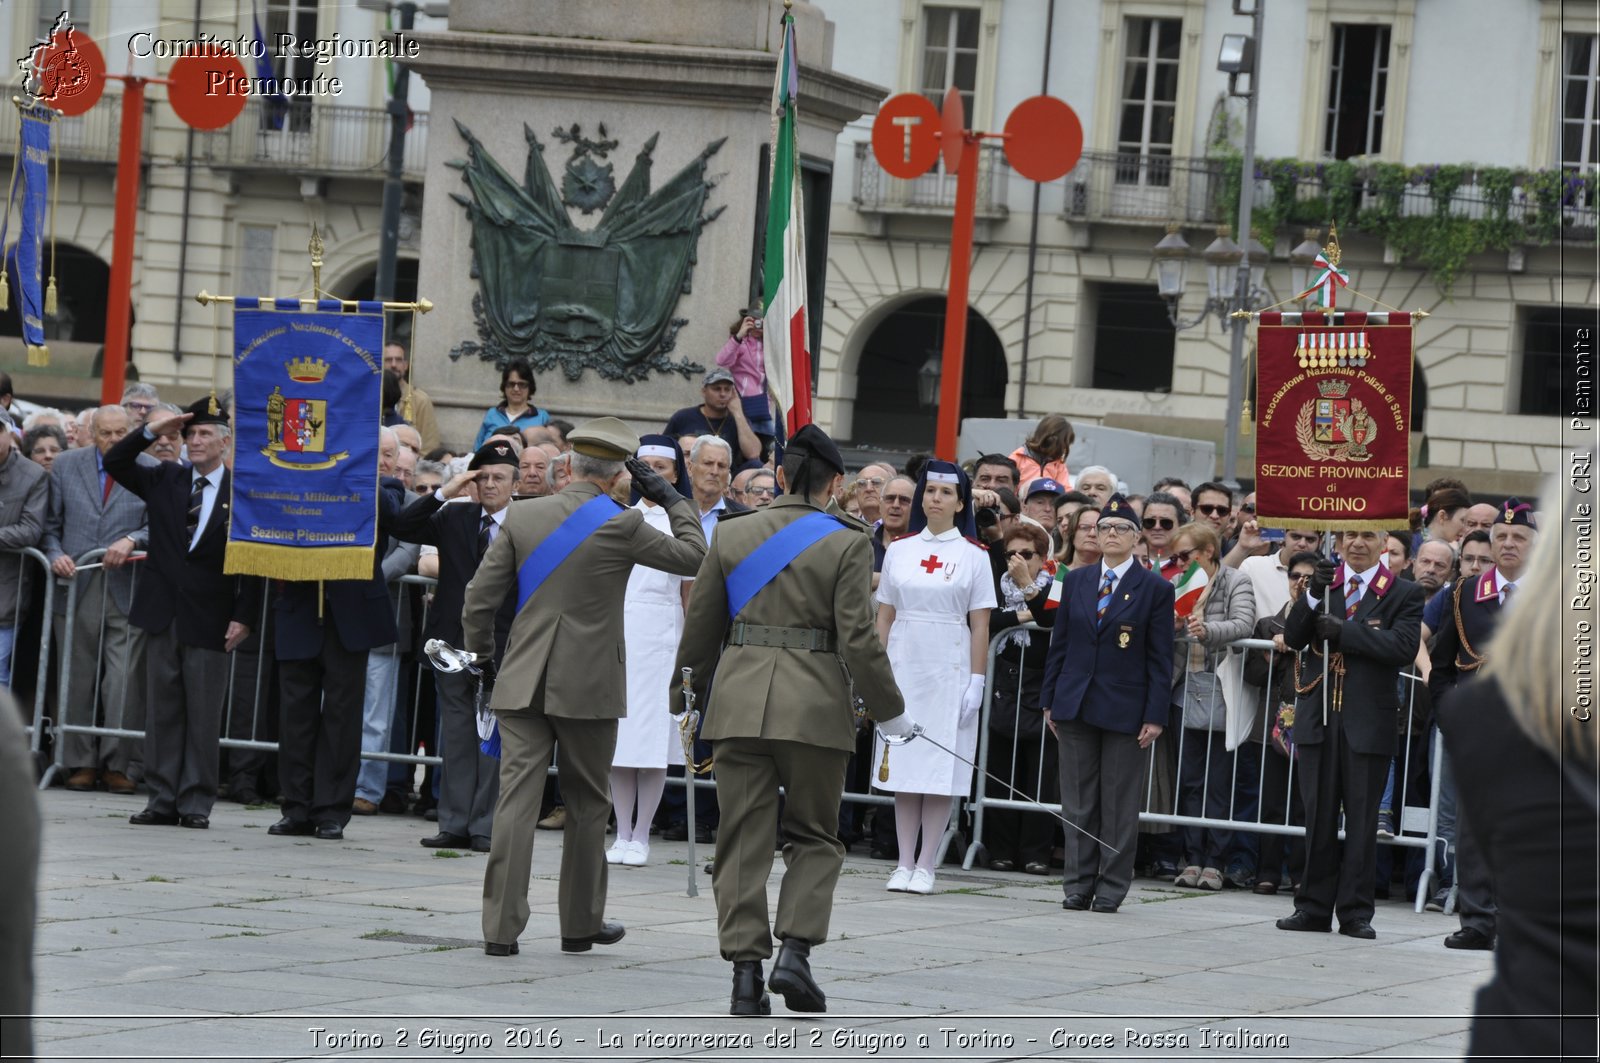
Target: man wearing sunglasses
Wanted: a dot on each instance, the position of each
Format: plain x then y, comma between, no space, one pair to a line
1164,514
1213,505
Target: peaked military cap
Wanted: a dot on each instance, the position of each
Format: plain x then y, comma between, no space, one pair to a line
607,438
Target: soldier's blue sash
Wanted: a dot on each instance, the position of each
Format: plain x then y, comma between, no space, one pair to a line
568,535
773,556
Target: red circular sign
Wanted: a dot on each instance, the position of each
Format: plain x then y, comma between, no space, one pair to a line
1043,138
207,89
904,139
69,74
953,130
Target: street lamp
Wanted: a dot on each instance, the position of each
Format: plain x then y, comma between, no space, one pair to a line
928,379
1302,260
1222,257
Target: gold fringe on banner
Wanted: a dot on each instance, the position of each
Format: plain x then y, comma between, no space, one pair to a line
298,562
50,298
5,290
1302,524
39,355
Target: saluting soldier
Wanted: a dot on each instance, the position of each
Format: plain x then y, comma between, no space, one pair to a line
562,678
1476,608
788,589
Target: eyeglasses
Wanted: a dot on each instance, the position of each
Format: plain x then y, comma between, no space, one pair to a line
1115,526
1165,523
140,407
1248,507
1182,556
872,481
1026,555
518,384
903,500
1299,577
762,492
1211,509
425,488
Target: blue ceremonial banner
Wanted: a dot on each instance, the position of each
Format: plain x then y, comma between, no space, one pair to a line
34,176
308,401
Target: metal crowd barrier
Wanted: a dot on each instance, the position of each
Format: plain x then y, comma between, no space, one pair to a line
38,724
1415,827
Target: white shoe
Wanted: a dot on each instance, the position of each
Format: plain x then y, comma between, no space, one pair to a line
614,854
921,881
900,881
636,854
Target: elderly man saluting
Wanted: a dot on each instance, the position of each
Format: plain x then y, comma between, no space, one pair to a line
569,557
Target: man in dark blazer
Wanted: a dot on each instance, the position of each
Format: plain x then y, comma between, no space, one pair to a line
1370,629
89,510
323,632
469,783
192,614
1107,695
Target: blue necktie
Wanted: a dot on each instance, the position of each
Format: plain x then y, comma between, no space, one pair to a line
1105,596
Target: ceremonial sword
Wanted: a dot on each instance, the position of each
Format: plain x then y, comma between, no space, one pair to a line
687,724
917,731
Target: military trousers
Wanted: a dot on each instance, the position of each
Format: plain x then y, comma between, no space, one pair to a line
583,750
749,772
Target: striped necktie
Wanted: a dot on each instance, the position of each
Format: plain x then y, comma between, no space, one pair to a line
484,533
1352,597
1105,596
1505,594
197,497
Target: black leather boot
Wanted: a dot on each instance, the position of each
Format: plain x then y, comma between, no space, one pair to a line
749,998
791,976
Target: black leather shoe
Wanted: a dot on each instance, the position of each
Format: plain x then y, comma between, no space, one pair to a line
1105,907
1076,902
445,840
749,999
1164,869
480,844
1036,867
329,831
1358,928
1302,921
676,832
1002,865
1265,888
791,976
151,818
1468,938
610,934
287,825
194,821
494,948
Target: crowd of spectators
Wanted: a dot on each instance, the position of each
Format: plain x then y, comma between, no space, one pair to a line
1227,755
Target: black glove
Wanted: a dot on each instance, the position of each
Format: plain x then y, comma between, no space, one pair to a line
1328,629
489,671
1322,578
651,484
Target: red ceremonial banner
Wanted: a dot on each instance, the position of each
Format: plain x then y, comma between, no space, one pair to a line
1333,428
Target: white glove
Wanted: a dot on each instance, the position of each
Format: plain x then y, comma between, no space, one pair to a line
899,727
972,700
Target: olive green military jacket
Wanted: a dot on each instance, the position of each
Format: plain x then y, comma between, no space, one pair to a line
570,631
776,693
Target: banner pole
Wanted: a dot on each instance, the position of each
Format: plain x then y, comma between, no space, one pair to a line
421,306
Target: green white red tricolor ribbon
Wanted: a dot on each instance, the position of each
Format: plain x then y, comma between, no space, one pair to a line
1327,283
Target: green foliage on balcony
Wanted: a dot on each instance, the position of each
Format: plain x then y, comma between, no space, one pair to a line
1437,216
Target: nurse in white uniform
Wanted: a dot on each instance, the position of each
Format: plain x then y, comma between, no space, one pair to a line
652,621
934,599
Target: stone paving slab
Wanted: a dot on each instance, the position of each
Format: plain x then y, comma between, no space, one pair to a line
173,944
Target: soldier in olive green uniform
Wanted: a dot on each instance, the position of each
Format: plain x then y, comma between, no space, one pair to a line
562,677
797,626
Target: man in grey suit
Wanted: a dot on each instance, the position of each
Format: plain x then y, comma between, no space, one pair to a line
24,503
89,510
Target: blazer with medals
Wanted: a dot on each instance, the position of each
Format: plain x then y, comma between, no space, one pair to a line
83,518
569,633
778,693
359,611
178,585
1458,649
453,528
1376,643
1115,673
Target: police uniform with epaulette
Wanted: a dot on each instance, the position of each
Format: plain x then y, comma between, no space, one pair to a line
779,648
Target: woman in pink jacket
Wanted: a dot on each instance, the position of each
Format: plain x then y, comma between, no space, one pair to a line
1045,453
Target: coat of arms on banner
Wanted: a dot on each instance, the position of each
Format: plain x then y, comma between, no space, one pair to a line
298,424
1334,425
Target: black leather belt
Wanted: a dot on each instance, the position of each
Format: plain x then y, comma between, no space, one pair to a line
787,638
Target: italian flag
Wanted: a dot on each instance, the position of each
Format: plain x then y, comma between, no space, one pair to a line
784,268
1187,589
1053,599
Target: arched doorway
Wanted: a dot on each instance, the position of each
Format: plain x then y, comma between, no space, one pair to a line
362,284
897,361
76,332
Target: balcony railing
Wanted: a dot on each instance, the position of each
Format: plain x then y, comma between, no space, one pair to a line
90,137
933,193
307,137
1111,186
